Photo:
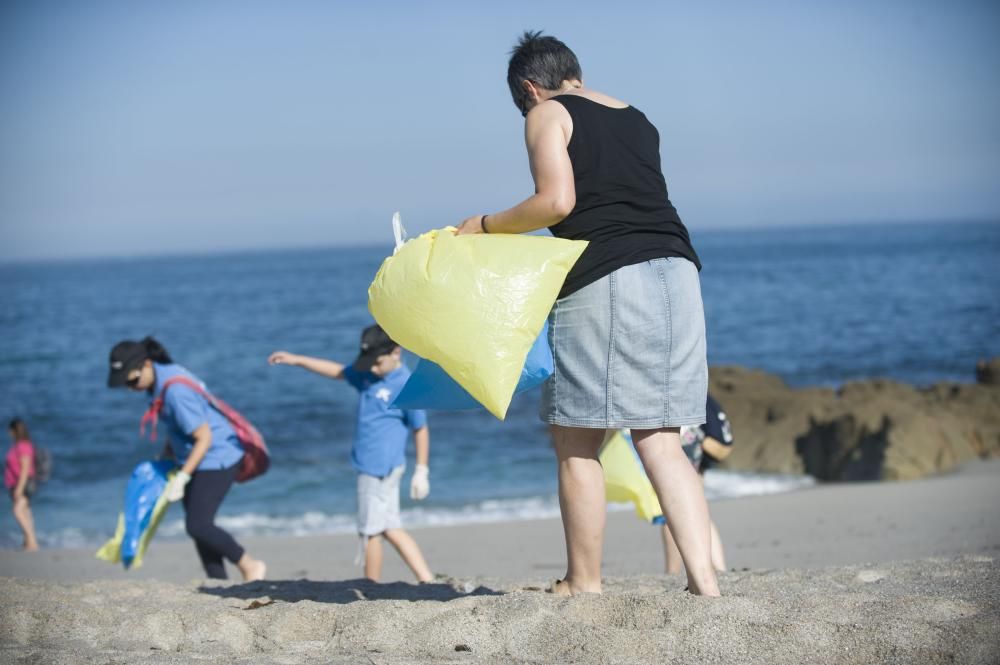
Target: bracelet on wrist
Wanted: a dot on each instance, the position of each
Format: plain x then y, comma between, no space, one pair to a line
482,223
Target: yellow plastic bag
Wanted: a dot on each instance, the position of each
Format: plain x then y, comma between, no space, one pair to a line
624,479
473,304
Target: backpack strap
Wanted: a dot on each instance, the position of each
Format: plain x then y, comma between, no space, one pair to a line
152,415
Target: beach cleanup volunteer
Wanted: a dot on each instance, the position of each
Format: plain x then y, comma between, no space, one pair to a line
204,445
628,330
378,452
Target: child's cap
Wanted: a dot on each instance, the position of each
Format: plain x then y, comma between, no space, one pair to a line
374,343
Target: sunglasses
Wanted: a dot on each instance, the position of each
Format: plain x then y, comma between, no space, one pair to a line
133,381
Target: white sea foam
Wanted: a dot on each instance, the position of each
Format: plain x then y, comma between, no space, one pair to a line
718,485
733,484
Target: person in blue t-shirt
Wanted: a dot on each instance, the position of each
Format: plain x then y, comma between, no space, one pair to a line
378,453
204,445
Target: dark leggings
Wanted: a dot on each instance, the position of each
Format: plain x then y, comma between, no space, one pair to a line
202,498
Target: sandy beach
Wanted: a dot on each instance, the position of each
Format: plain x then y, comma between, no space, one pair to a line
852,573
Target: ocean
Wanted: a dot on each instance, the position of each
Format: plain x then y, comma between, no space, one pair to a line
816,305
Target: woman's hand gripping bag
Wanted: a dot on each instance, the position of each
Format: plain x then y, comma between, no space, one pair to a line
472,304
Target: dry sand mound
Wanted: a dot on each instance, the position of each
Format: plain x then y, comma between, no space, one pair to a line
939,610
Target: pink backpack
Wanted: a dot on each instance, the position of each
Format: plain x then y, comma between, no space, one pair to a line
256,458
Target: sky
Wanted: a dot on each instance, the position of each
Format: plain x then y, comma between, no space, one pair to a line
136,128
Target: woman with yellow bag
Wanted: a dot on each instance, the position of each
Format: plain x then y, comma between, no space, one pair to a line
628,330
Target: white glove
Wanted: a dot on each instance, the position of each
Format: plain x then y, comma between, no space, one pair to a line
420,484
175,486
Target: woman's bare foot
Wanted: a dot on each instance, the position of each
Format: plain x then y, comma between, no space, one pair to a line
565,588
33,547
253,570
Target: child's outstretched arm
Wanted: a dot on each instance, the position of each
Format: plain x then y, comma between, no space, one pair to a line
327,368
420,484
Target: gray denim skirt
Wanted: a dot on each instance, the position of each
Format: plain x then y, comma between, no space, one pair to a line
629,350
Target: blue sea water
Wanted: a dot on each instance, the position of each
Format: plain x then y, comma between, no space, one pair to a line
914,302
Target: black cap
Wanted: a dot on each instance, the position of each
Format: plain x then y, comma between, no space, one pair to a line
374,343
125,357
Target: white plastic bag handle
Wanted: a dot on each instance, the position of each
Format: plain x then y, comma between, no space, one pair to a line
398,231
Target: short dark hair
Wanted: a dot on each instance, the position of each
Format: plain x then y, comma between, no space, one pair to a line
19,430
542,59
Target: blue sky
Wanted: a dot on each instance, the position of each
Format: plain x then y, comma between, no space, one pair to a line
132,128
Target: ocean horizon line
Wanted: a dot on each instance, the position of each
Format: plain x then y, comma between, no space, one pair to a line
294,248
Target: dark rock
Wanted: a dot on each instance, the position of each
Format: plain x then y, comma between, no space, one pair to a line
866,430
988,372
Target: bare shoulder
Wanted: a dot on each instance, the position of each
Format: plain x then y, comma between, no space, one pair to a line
548,115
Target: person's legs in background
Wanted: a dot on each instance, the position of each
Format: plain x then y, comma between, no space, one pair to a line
672,556
202,498
410,552
22,513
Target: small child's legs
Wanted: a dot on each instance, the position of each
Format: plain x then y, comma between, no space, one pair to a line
378,517
408,550
22,513
673,556
410,553
373,557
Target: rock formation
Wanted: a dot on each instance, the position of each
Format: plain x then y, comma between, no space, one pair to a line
868,430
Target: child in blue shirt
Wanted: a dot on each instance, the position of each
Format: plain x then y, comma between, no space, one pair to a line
378,452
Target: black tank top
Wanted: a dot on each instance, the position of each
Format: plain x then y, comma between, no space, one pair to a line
622,206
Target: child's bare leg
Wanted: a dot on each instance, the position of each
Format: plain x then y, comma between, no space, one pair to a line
582,504
683,501
410,552
22,513
373,557
718,556
671,554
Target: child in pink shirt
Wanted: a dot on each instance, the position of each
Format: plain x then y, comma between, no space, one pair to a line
19,479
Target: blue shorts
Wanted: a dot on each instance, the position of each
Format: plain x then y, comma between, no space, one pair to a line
629,350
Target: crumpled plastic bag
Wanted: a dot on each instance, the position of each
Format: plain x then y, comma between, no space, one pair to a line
624,479
473,304
145,507
430,387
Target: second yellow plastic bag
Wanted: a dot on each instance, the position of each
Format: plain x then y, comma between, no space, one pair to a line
473,304
624,479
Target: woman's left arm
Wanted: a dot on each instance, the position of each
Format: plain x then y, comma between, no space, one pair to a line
546,133
202,442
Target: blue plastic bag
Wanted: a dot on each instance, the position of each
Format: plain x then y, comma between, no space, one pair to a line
430,387
144,509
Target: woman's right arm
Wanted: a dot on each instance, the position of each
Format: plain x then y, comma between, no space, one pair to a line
327,368
547,131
